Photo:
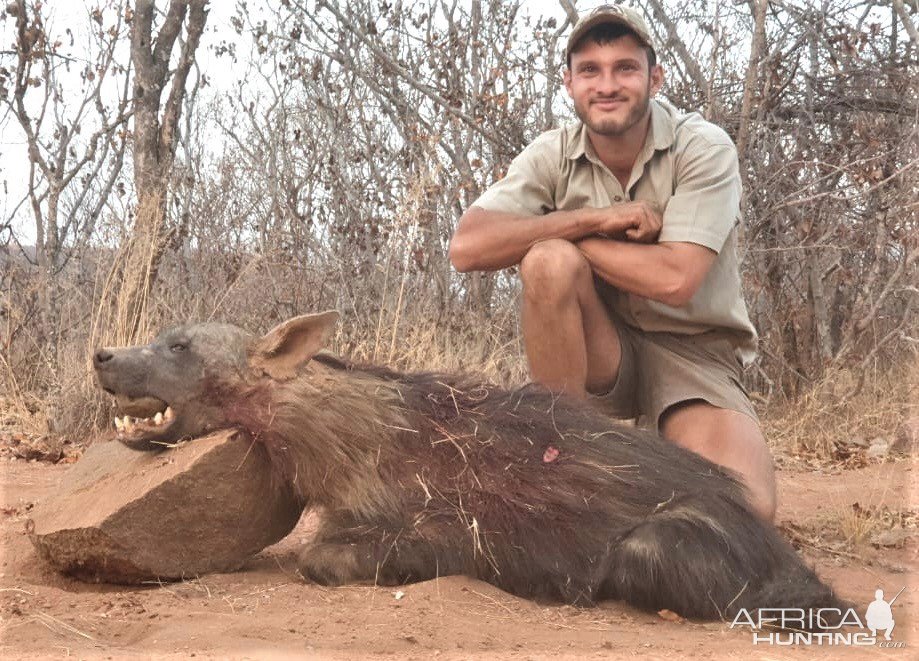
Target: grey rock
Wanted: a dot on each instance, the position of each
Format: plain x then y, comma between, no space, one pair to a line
895,537
879,449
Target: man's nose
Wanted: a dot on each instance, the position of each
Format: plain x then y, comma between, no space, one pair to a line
607,82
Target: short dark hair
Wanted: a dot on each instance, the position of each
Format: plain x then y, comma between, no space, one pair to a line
607,32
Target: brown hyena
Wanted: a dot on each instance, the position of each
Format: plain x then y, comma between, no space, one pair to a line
425,475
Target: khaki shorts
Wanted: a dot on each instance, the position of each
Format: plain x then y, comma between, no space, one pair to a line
659,370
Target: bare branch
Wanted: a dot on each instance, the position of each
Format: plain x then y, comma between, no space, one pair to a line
570,11
408,77
674,41
907,21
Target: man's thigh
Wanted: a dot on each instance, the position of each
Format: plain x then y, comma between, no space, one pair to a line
560,298
675,368
690,391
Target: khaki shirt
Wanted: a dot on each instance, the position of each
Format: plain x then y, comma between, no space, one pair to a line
689,168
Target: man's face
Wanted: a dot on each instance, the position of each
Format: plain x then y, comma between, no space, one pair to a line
611,85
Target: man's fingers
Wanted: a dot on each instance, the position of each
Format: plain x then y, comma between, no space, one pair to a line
642,222
639,236
654,223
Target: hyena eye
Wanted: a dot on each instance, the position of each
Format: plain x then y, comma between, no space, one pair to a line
178,347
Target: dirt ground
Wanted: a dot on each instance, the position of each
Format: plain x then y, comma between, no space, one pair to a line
266,611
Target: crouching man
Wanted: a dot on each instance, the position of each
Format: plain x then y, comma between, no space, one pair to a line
624,228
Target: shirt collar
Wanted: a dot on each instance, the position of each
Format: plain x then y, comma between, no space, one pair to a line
661,134
577,141
663,124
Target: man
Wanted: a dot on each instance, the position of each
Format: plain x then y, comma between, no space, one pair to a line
623,225
879,615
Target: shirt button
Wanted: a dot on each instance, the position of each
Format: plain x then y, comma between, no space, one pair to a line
618,198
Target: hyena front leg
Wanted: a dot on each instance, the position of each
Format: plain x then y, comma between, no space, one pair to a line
364,554
329,563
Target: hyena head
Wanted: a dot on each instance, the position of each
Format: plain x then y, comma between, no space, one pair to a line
180,385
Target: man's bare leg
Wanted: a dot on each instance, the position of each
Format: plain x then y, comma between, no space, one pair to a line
572,345
730,439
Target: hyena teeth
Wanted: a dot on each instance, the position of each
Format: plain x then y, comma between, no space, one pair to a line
158,419
128,424
119,425
169,415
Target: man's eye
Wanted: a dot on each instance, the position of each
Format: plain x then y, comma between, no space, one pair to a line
178,347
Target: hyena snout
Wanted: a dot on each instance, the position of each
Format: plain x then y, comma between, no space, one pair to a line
101,357
118,371
113,363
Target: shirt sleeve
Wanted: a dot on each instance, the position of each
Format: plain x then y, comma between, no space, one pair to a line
705,205
528,188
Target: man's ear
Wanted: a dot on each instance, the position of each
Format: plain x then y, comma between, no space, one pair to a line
292,343
657,79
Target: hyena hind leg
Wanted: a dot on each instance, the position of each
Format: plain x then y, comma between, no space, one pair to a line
688,561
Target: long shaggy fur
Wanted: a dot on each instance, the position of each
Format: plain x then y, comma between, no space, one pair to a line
425,475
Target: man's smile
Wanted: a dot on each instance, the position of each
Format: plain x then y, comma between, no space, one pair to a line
608,104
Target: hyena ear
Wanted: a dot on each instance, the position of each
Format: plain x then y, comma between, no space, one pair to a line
292,343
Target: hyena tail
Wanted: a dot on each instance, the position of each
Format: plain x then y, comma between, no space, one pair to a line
708,560
796,586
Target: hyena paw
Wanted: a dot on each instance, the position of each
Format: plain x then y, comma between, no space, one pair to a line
332,564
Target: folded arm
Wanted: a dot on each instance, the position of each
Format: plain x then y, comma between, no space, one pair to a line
668,272
488,240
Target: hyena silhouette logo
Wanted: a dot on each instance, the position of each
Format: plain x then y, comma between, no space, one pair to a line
425,475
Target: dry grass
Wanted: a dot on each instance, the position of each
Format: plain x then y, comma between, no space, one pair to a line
494,351
121,310
856,531
401,326
16,414
831,423
393,318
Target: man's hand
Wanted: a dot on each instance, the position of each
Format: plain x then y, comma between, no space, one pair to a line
635,221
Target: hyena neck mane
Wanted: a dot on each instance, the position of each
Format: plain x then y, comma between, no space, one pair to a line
324,430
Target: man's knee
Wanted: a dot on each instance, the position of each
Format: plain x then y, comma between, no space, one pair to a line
762,499
552,269
730,439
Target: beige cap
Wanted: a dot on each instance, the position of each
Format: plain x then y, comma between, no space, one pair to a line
623,15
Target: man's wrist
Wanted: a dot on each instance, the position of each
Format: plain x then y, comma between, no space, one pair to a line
589,221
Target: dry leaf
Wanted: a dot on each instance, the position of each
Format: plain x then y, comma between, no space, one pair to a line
669,615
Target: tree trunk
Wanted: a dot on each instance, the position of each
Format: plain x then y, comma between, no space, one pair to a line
155,141
757,50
